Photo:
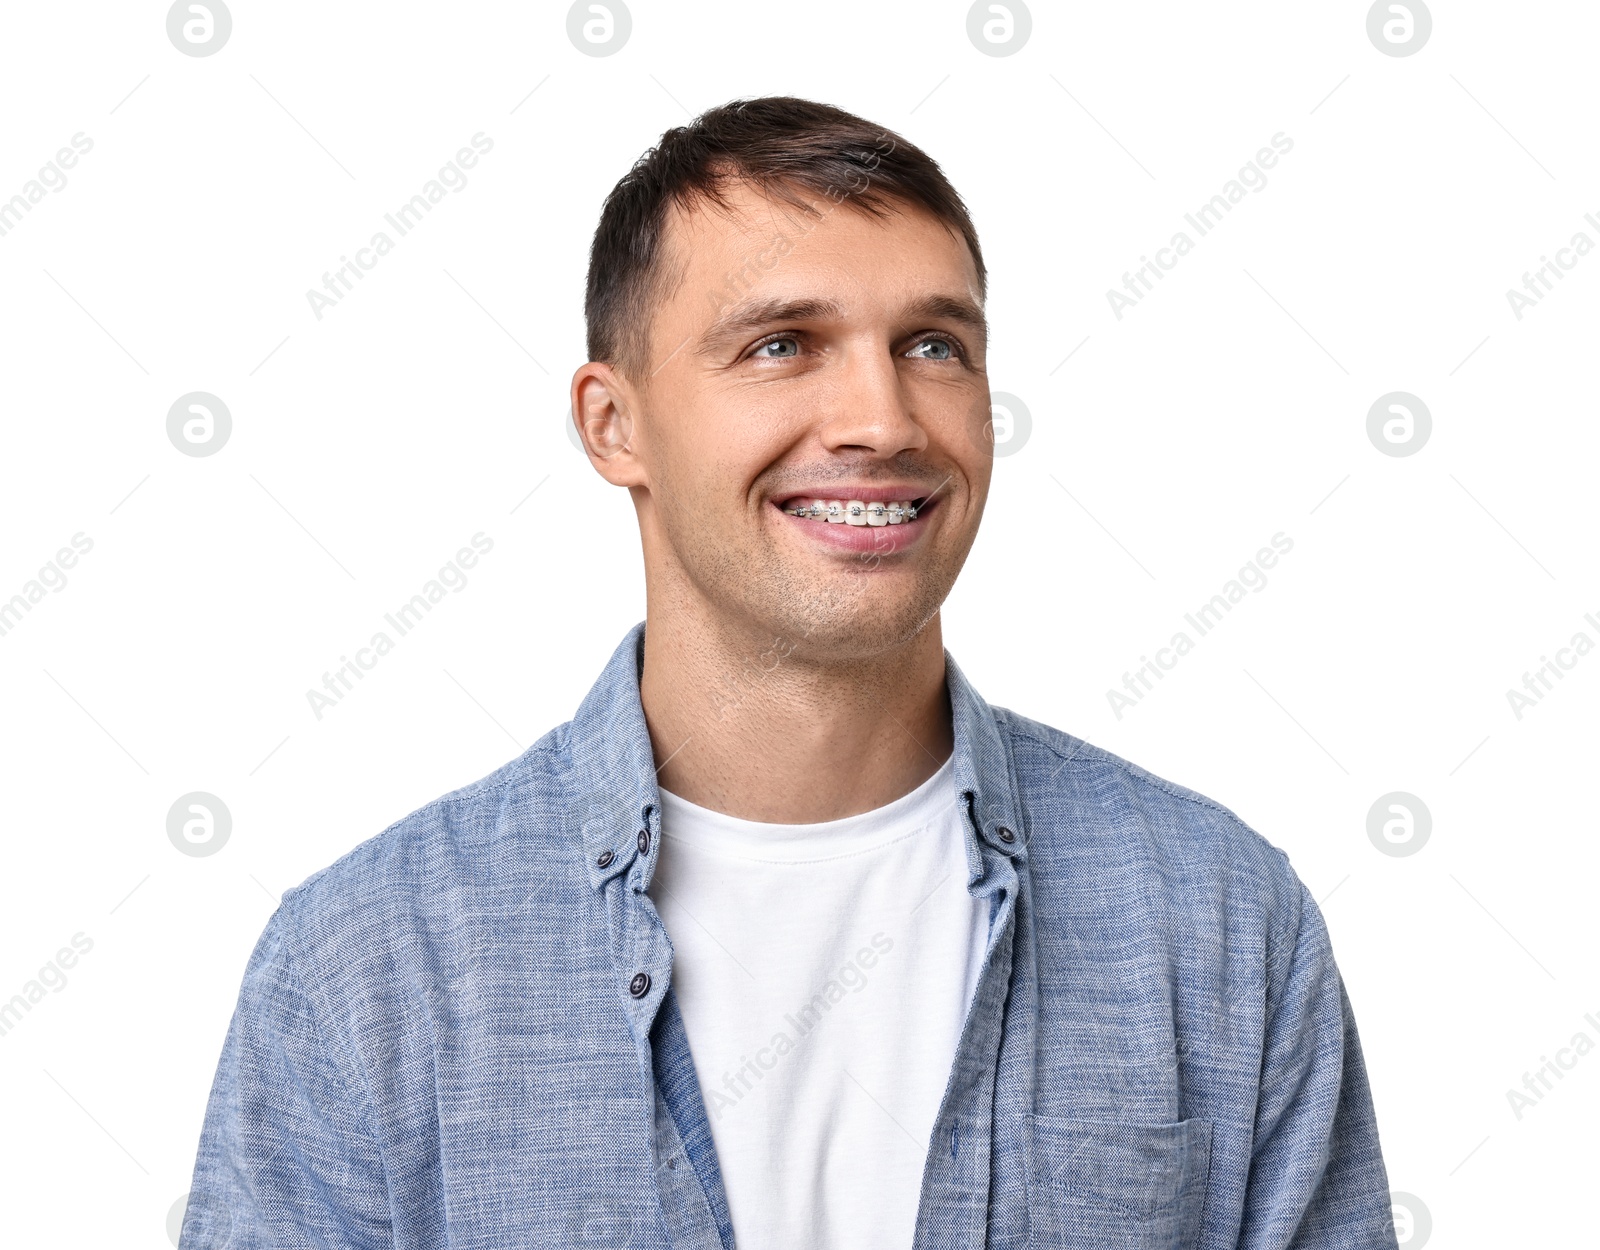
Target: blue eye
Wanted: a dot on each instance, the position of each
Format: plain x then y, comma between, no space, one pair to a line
779,348
939,349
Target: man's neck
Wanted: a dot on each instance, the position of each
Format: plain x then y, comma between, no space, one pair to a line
762,729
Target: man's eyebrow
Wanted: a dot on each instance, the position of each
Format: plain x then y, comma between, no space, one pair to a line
751,315
947,308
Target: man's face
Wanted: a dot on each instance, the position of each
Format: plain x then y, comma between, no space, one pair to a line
801,362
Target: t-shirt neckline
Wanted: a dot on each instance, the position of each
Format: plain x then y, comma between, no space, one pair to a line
704,829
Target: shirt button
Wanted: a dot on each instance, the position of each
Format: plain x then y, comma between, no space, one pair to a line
605,859
640,985
644,842
1005,835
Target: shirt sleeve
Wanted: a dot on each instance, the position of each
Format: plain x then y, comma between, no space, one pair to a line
286,1157
1317,1179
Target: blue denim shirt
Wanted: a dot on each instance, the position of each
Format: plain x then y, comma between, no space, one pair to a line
463,1033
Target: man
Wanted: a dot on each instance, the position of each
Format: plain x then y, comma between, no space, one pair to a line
789,938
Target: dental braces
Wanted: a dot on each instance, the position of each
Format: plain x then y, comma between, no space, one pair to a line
890,514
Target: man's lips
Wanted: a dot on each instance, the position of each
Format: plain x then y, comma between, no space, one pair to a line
863,541
904,492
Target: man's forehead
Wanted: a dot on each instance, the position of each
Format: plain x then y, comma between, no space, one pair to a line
743,211
754,234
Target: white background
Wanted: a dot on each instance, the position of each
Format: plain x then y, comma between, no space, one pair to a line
369,445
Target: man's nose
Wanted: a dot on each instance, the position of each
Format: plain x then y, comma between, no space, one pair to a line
871,409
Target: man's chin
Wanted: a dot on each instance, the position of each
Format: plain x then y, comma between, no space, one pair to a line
853,626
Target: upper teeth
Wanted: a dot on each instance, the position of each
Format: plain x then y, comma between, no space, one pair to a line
855,511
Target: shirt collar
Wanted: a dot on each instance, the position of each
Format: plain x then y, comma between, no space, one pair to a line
618,803
985,777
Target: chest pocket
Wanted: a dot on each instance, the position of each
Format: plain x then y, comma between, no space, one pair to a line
1128,1186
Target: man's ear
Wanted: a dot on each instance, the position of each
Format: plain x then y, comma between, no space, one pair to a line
603,408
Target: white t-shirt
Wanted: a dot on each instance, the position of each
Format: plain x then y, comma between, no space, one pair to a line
824,973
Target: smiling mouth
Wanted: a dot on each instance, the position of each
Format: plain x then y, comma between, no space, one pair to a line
857,511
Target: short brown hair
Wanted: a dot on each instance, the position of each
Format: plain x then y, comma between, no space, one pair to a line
781,144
